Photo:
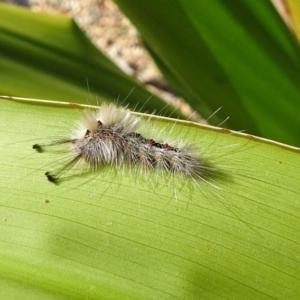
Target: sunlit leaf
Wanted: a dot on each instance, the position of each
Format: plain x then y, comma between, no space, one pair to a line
116,234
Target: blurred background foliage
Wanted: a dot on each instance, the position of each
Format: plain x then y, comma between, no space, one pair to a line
240,56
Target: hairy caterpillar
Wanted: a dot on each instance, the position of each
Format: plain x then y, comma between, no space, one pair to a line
110,136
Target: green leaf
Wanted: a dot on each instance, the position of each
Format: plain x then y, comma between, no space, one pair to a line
236,54
47,56
121,234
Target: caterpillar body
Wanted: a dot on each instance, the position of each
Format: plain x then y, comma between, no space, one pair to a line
110,136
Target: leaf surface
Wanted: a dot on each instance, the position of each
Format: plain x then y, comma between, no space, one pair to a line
122,234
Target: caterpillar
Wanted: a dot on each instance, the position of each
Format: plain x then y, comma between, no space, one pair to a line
110,136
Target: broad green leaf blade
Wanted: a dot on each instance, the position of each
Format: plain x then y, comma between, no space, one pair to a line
116,234
236,54
47,56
